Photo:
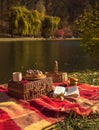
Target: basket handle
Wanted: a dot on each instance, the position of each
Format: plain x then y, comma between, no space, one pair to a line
55,66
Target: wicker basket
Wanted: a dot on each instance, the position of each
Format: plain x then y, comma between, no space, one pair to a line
57,76
30,89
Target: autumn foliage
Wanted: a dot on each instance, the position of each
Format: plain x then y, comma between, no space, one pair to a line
65,32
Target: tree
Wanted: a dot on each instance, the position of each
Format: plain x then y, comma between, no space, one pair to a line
24,22
48,6
68,32
35,22
58,33
18,21
40,7
88,25
75,8
49,25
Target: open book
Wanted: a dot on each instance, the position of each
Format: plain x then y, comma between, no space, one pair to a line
71,92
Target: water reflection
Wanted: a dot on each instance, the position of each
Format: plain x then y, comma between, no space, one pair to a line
20,56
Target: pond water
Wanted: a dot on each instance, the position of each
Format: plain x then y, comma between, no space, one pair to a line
24,55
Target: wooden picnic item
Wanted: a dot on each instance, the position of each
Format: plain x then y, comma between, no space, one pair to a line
73,81
30,89
57,76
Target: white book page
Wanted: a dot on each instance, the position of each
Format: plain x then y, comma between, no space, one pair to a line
59,90
72,91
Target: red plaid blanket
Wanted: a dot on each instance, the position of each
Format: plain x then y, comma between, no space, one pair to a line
87,103
40,112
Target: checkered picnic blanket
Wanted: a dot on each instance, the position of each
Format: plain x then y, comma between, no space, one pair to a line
40,112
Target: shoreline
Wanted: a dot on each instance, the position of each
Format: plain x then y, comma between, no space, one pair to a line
6,39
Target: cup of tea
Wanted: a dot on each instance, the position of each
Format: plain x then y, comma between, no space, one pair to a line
17,76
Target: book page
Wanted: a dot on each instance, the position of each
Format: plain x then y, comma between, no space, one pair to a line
59,90
73,91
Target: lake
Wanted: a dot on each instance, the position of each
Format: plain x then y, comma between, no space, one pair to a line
24,55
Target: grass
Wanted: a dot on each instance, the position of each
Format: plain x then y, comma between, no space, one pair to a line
88,76
74,122
79,123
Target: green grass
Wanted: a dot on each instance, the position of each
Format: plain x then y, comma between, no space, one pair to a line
88,76
79,123
74,122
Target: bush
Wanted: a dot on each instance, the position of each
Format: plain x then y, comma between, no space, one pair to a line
58,33
87,25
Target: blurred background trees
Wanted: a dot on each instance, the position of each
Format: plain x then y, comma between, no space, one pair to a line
68,11
24,22
53,18
88,27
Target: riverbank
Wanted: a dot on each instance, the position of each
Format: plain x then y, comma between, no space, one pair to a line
6,39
